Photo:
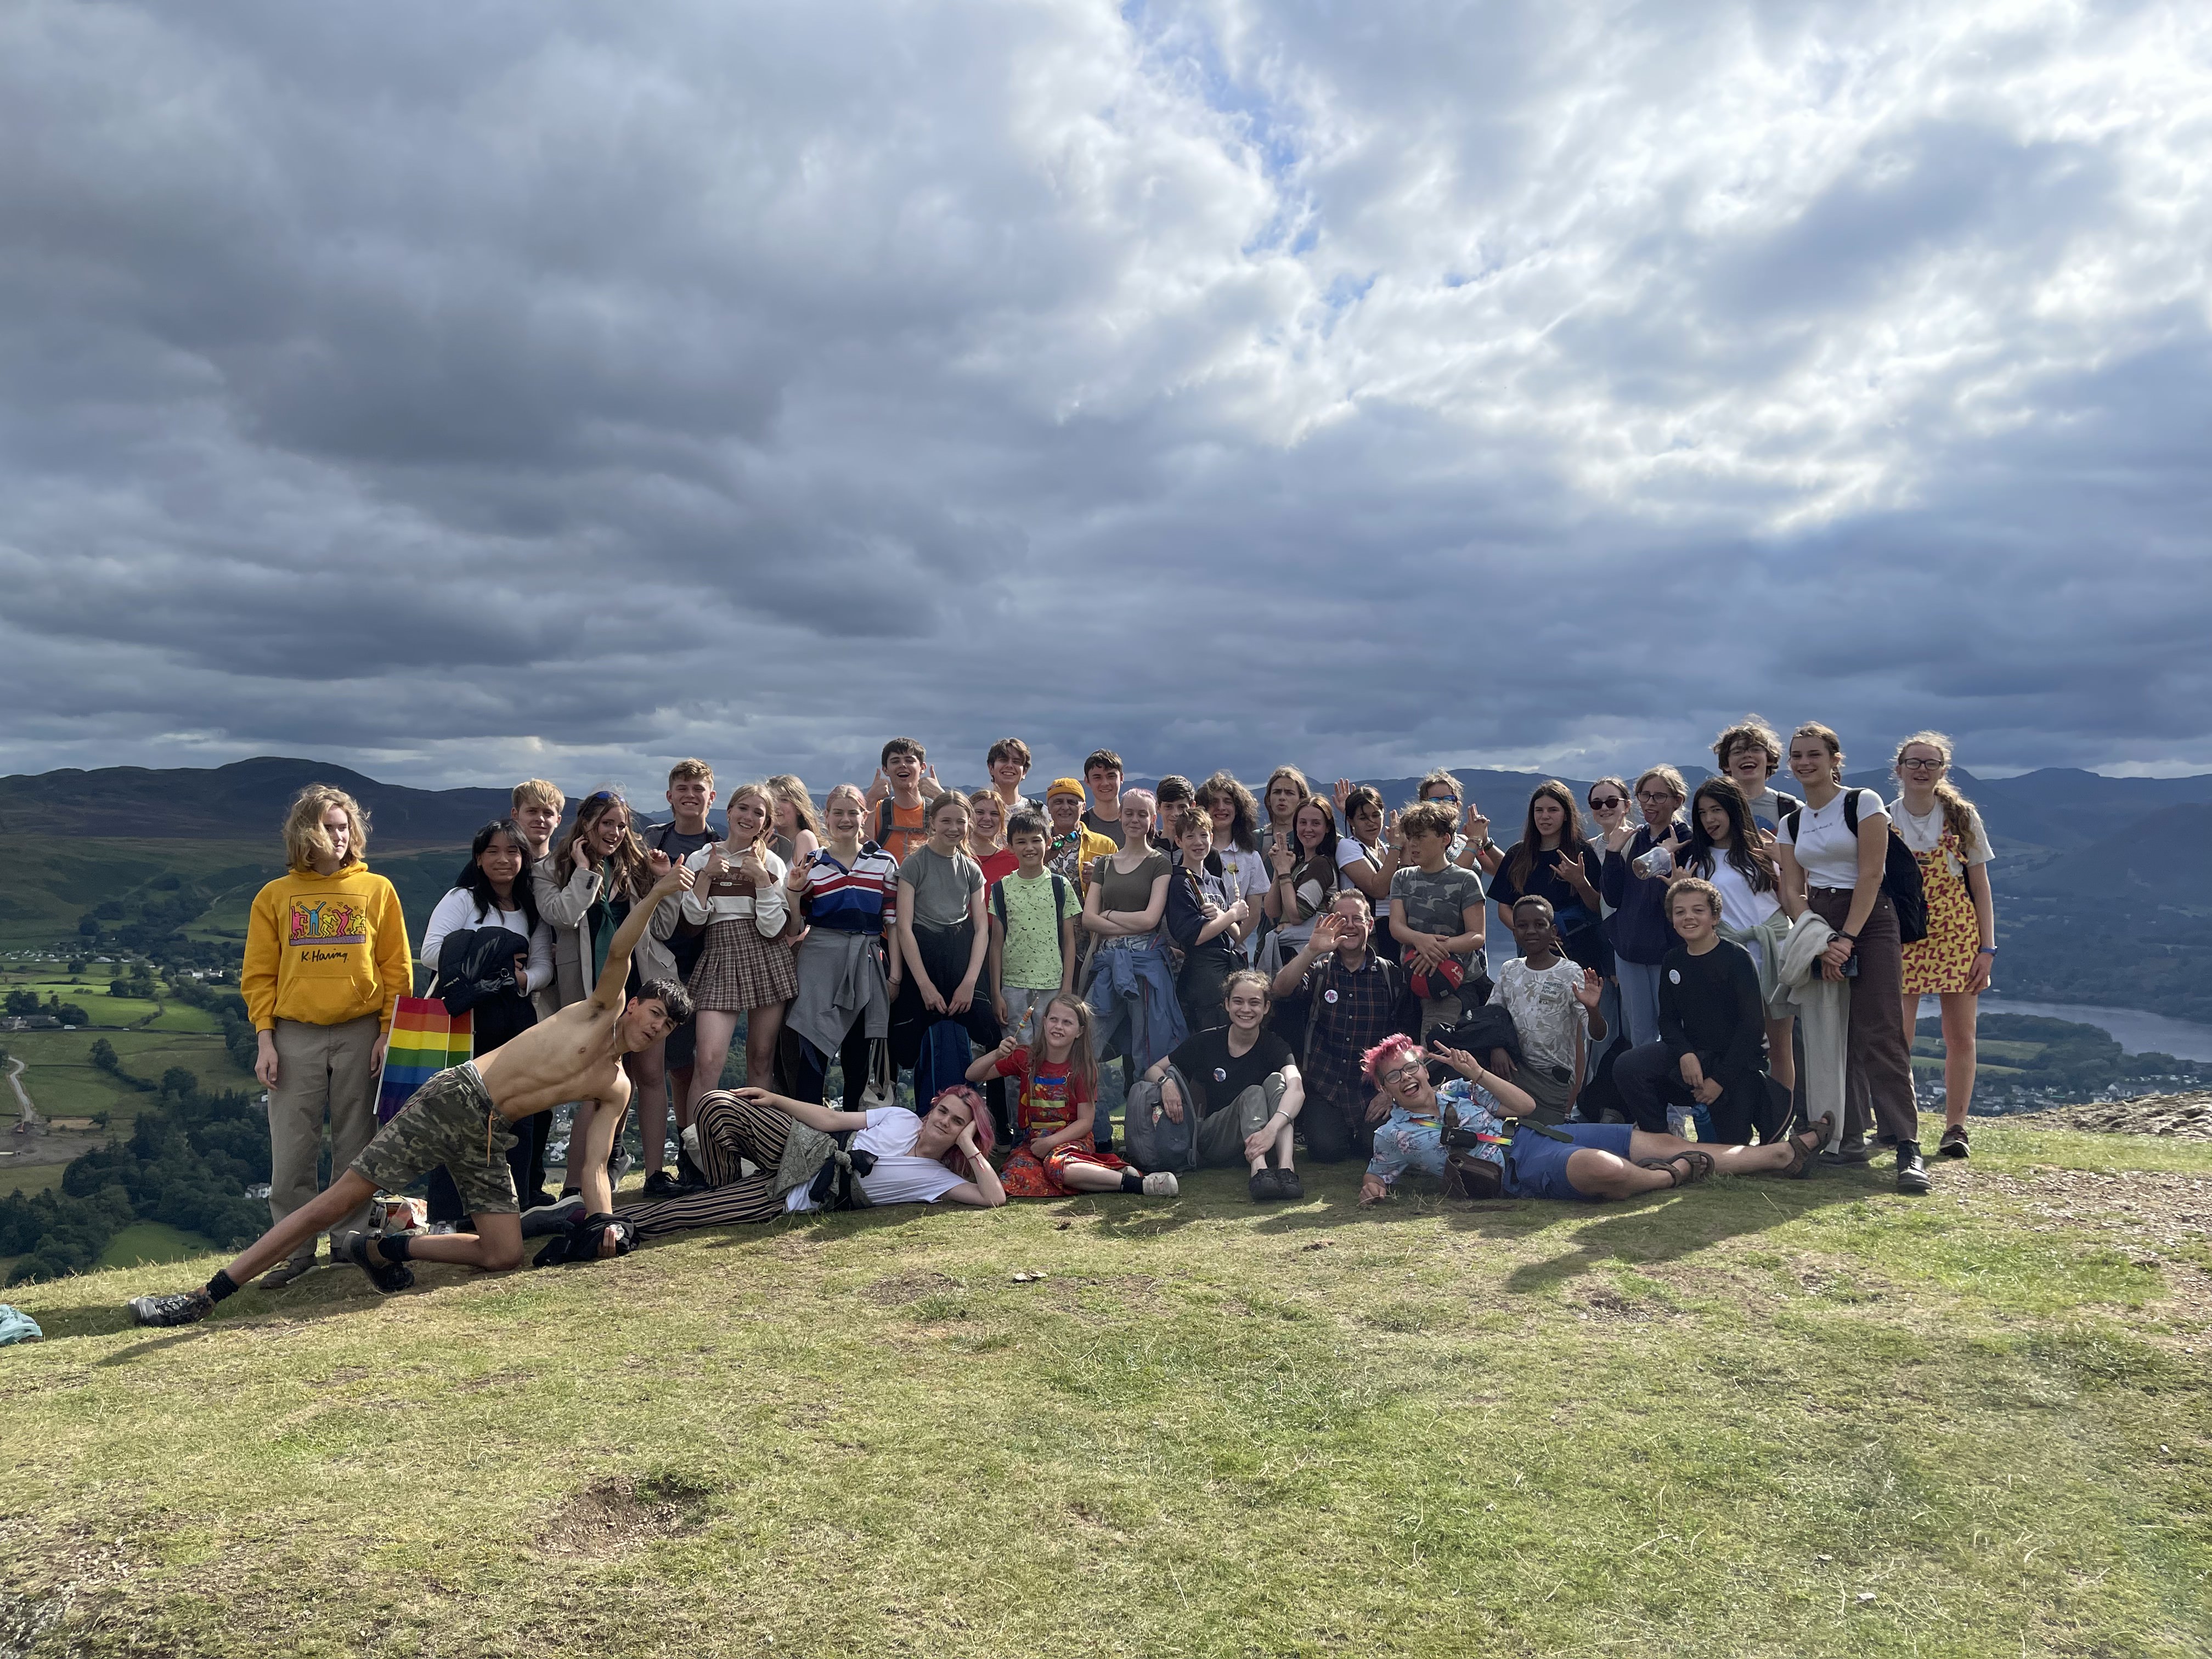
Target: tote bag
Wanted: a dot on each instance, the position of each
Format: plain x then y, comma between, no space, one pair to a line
425,1040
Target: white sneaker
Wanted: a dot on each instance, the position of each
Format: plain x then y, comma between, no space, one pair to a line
1162,1183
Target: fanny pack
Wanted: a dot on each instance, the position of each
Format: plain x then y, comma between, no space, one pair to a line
1468,1174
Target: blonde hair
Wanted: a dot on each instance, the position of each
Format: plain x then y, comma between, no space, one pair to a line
1082,1057
766,797
535,792
305,838
854,790
1828,740
1665,775
788,785
1958,811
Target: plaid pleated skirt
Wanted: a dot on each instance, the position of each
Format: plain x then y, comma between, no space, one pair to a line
739,969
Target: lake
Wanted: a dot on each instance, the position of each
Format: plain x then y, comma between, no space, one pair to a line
2136,1031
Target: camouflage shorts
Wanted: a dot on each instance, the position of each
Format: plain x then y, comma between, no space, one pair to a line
449,1120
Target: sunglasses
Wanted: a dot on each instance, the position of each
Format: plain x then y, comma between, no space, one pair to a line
1599,803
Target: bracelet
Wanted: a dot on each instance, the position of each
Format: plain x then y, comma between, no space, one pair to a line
1850,938
1987,951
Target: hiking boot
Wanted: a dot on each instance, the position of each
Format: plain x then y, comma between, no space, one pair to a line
545,1219
1912,1169
1162,1183
389,1277
1954,1143
175,1308
1287,1184
1266,1186
285,1271
1855,1150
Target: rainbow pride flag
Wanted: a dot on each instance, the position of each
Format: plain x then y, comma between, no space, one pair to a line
425,1040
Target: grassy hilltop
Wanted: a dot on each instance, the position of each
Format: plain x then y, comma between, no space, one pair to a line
1758,1418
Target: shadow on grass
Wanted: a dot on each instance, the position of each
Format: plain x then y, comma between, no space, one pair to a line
1666,1226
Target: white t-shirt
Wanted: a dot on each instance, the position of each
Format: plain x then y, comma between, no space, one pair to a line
1544,1009
1741,906
899,1177
1351,853
1826,850
1921,834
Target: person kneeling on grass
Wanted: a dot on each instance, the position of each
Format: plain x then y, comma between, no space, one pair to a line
464,1118
1054,1154
1591,1162
809,1157
1243,1083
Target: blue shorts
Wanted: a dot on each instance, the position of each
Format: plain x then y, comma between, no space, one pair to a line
1536,1165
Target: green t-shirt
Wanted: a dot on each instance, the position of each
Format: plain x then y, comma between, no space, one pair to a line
1031,960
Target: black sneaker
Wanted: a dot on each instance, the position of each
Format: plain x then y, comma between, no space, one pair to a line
543,1221
1287,1184
1912,1169
1954,1143
389,1277
687,1169
1860,1151
175,1308
1267,1185
662,1185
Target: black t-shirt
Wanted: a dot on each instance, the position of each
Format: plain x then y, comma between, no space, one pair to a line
1109,827
679,847
1222,1076
1710,1006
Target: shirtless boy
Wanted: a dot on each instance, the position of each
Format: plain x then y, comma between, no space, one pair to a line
464,1118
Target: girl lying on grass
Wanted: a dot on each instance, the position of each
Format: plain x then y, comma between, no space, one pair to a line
1496,1153
1055,1154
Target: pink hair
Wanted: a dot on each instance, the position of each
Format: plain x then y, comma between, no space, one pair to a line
978,1113
1384,1054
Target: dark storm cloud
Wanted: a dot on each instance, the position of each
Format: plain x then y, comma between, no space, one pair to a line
459,393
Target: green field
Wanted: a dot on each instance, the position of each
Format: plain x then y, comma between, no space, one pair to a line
63,1082
153,1243
1755,1417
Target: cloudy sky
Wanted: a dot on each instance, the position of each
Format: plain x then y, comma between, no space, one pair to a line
460,391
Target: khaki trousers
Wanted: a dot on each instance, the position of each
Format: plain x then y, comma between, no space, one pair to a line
321,1070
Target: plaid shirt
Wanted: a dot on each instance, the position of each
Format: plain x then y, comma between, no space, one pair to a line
1353,1009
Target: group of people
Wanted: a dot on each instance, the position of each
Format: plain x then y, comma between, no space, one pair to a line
1726,981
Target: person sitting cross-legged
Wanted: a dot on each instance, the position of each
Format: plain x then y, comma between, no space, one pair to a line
464,1118
1248,1092
1496,1153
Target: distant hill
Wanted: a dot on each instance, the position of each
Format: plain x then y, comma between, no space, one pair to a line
243,801
2163,857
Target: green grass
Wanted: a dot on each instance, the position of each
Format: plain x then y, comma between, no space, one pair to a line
1710,1423
49,881
145,1243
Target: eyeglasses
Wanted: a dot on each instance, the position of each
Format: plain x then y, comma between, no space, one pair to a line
1601,802
1917,764
1411,1068
1654,798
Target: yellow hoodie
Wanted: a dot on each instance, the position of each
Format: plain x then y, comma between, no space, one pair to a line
324,950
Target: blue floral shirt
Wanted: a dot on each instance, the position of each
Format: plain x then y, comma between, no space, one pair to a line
1407,1141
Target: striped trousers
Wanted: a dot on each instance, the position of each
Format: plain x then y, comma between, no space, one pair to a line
730,1129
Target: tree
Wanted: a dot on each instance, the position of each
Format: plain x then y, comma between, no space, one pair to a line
103,1055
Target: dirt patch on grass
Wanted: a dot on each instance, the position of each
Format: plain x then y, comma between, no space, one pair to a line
2158,1206
901,1289
610,1516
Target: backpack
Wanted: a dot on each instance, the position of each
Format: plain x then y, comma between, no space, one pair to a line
1900,871
943,1062
1059,900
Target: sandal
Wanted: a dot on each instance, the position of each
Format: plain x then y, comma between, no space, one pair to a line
1801,1165
1701,1166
